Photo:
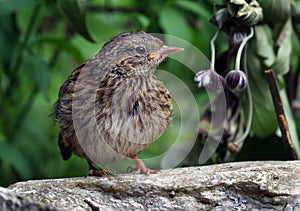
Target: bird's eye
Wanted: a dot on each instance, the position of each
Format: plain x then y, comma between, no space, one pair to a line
140,50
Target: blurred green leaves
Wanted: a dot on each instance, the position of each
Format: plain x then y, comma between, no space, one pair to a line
12,155
60,43
37,71
171,20
195,8
8,6
9,40
74,10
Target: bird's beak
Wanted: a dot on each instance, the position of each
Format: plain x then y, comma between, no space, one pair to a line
164,52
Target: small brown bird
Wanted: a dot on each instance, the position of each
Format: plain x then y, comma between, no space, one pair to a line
113,106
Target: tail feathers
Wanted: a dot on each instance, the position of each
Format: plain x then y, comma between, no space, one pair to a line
65,151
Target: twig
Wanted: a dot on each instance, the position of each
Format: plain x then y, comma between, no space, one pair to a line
281,117
92,205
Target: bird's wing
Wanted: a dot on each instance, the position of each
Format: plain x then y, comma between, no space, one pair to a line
62,112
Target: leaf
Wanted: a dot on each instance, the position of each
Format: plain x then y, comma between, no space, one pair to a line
291,121
276,10
74,10
63,45
195,7
264,121
111,26
173,23
283,47
9,6
15,157
263,46
37,70
143,20
9,41
297,5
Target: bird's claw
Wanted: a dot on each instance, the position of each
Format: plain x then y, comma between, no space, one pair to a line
137,170
100,173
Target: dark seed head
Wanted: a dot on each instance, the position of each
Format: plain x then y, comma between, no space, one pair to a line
236,80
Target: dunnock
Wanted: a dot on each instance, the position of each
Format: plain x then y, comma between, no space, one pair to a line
113,106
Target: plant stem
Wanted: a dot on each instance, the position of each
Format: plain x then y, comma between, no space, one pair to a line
213,50
281,117
240,50
250,110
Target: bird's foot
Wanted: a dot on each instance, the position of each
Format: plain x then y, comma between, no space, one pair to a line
100,173
140,167
97,171
138,170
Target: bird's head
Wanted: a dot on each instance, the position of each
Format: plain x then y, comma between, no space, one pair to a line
137,52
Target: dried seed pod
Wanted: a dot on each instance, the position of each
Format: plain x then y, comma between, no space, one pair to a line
210,80
245,12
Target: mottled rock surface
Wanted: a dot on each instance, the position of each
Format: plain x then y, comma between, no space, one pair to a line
267,185
9,200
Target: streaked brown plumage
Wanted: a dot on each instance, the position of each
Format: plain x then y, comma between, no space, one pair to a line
113,106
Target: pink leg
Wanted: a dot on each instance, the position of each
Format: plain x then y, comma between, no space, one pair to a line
140,167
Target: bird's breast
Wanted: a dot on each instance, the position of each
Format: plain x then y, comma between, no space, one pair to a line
137,109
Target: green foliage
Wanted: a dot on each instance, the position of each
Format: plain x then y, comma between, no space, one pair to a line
283,48
168,17
7,7
276,11
14,156
260,56
36,71
74,10
42,41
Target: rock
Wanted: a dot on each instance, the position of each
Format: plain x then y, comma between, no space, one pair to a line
12,201
266,185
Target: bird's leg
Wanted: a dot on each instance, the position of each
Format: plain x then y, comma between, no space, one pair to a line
140,167
93,171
